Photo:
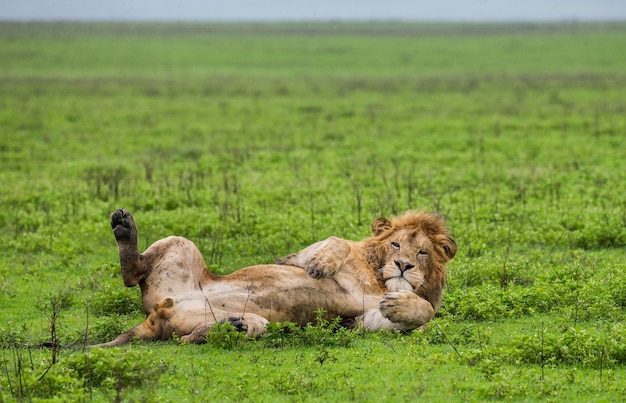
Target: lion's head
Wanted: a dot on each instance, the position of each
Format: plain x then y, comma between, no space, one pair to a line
157,323
409,253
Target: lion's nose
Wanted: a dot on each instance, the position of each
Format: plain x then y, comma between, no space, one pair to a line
403,265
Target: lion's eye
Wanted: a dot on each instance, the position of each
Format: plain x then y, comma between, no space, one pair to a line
422,252
395,245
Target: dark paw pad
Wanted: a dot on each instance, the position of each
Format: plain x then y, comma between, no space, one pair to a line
121,224
315,273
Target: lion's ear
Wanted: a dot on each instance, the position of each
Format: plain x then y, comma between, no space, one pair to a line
449,246
380,225
166,303
160,309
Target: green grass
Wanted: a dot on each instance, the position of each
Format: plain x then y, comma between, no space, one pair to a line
257,140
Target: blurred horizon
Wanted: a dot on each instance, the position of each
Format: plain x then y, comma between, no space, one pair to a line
322,10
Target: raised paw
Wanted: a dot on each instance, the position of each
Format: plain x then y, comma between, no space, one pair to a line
121,223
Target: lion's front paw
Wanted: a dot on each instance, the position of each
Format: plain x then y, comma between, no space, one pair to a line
406,307
322,267
391,306
121,223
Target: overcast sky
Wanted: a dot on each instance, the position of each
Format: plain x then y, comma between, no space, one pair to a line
315,10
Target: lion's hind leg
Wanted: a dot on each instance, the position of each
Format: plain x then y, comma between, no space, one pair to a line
252,325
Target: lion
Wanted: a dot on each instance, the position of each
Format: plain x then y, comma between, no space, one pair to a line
392,280
406,256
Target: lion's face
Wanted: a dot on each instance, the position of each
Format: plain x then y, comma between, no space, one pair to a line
410,253
408,260
157,323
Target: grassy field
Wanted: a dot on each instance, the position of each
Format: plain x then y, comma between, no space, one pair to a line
257,140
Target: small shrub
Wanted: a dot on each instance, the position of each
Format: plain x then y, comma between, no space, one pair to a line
116,300
600,235
224,335
442,331
326,332
491,302
99,276
104,181
106,328
27,374
52,306
56,300
116,369
322,333
571,346
281,334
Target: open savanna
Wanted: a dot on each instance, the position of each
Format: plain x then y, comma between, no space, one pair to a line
255,140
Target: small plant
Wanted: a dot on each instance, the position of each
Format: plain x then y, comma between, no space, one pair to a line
105,328
27,375
116,369
570,346
224,335
115,300
14,363
51,307
326,332
104,181
281,334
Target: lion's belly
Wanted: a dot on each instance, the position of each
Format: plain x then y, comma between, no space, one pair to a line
176,271
288,293
276,292
166,282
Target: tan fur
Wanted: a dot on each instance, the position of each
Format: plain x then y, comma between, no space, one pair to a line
405,258
180,296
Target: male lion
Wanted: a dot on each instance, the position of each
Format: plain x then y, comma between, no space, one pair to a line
406,256
180,296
